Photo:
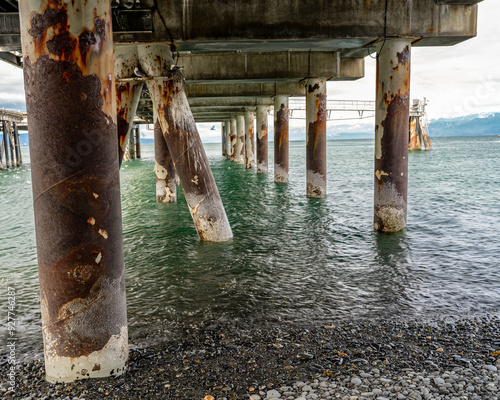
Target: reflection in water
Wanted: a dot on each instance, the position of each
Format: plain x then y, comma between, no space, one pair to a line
393,278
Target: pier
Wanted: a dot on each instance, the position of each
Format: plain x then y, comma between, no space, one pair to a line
10,149
91,68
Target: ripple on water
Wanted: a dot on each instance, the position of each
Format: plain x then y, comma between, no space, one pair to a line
293,259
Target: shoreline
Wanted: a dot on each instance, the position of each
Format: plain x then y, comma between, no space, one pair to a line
358,360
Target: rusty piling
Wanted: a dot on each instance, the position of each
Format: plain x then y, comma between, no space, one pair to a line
240,139
262,144
2,150
392,135
70,98
232,142
281,138
249,139
128,94
166,177
316,138
6,143
223,137
138,140
17,145
184,143
131,143
12,143
227,138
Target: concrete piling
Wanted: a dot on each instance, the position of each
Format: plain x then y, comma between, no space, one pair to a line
184,143
166,185
281,138
240,139
227,137
15,132
223,137
316,138
249,139
128,94
392,135
262,144
138,141
234,139
12,143
6,143
71,105
131,143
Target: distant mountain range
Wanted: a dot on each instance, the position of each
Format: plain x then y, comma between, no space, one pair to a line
470,125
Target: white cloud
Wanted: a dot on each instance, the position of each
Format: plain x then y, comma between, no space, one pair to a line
457,80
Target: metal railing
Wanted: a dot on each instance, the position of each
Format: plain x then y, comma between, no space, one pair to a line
363,108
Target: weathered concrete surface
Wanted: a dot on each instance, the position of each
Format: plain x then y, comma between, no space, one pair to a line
249,139
229,102
128,94
262,25
268,66
131,144
70,98
184,144
223,137
166,177
262,142
138,140
316,138
234,137
5,142
392,135
281,118
240,139
302,25
244,89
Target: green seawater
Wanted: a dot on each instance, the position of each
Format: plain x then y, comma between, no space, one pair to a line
293,260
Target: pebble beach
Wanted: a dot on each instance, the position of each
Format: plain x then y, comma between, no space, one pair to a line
355,361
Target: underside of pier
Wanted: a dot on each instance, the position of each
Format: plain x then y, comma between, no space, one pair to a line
91,68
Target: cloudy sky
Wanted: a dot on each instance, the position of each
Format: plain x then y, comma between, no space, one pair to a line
457,80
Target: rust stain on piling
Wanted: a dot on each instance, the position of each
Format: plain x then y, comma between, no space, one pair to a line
190,161
72,138
404,56
123,94
391,168
316,147
281,139
166,176
262,147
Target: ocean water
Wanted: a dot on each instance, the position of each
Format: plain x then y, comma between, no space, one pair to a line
293,260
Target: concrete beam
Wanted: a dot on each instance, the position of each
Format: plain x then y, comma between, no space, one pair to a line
215,116
296,25
198,111
220,25
225,102
10,32
263,89
284,66
11,116
11,58
461,2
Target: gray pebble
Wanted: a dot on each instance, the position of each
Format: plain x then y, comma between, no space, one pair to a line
273,394
356,381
